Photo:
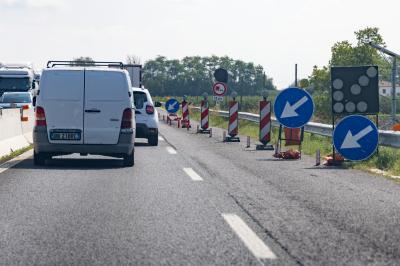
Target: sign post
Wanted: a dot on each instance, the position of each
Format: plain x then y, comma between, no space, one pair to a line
185,114
233,125
354,92
265,124
356,137
293,109
204,116
172,107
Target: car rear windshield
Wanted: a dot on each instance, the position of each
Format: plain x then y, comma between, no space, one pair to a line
16,98
14,84
140,99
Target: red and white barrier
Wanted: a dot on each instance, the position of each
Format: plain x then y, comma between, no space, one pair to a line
233,119
265,122
185,114
204,123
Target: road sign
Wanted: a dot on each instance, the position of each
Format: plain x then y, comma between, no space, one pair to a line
221,75
172,106
218,98
355,90
356,137
220,89
293,107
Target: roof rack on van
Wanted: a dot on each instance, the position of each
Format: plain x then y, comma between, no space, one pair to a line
51,64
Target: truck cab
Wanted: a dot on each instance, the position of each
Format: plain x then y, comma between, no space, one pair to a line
17,78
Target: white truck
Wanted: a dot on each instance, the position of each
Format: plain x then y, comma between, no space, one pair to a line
135,73
17,77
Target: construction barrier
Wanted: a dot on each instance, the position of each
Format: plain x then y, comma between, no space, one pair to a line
204,118
174,118
185,114
265,126
233,126
265,122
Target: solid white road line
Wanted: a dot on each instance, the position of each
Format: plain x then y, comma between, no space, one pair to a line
160,138
171,150
192,174
256,246
13,162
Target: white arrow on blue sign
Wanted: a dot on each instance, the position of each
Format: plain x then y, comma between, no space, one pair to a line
172,106
294,107
356,137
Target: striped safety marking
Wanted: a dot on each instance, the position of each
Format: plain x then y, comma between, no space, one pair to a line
265,122
233,118
204,115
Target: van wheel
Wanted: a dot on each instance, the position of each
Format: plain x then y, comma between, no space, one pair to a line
39,158
153,140
129,160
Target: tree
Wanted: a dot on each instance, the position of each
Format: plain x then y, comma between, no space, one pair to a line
193,75
83,61
346,54
133,60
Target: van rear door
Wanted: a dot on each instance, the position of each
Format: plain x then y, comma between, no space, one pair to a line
106,97
61,95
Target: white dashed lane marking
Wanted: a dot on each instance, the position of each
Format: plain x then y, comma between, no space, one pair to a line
171,150
160,138
192,174
256,246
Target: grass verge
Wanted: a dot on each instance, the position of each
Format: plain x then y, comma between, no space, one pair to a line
388,159
15,154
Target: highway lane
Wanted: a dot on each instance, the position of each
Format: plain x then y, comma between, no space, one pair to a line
320,216
94,211
198,201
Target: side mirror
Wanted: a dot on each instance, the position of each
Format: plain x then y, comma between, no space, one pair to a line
34,101
157,104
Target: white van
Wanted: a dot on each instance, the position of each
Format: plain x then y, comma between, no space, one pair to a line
86,110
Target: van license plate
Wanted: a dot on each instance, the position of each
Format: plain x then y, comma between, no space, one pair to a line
65,136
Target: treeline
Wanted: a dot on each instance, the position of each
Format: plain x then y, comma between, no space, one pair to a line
194,75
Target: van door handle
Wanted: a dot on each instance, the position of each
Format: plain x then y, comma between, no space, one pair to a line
92,111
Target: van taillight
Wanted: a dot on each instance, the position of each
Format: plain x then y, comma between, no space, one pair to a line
149,109
40,117
127,118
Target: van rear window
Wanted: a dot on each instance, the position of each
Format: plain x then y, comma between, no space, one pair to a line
62,85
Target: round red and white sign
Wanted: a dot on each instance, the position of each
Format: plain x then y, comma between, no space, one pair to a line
220,89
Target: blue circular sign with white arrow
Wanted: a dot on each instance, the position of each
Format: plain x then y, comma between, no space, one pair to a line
172,106
293,107
356,137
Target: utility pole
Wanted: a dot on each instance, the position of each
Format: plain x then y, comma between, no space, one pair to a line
394,57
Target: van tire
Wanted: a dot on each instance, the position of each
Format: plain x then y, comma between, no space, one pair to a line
153,140
129,160
39,158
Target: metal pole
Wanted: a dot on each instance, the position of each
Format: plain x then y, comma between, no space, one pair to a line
394,74
295,75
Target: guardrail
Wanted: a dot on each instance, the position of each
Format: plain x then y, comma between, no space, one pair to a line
386,137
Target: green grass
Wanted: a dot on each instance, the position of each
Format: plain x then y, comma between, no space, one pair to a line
15,154
388,159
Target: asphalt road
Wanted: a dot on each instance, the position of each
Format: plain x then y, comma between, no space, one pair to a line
194,200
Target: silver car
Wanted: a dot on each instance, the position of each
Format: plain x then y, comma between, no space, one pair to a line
15,100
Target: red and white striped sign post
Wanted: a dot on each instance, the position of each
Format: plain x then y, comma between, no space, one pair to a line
204,123
265,125
204,116
233,126
185,114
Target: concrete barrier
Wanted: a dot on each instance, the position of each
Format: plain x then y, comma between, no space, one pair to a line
15,134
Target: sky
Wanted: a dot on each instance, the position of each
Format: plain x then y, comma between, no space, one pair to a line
276,34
